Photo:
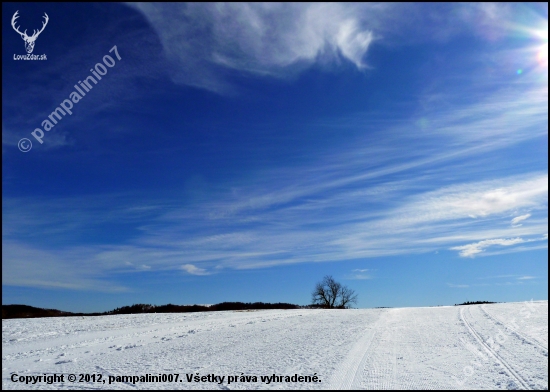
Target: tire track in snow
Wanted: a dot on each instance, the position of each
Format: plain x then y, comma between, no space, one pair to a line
383,360
509,369
515,331
394,367
348,376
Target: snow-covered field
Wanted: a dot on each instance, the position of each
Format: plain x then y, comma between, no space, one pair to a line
499,346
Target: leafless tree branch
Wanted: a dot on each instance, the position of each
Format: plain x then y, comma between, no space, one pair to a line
330,294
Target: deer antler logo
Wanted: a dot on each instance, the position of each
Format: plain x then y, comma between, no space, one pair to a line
29,41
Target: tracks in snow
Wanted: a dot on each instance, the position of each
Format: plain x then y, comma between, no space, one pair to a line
400,348
373,360
493,353
510,327
380,358
348,375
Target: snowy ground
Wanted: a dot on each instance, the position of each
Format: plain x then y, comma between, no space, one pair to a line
500,346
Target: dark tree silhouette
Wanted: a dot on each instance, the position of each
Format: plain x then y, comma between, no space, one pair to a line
330,294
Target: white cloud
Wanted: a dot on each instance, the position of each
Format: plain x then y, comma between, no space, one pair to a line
500,276
358,277
375,199
191,269
458,286
203,39
11,137
508,276
285,233
74,269
471,250
481,199
520,218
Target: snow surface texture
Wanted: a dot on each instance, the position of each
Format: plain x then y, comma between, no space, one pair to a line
497,346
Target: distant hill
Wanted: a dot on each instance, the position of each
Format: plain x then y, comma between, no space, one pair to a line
25,311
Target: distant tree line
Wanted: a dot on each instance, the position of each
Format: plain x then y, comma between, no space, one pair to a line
170,308
475,303
25,311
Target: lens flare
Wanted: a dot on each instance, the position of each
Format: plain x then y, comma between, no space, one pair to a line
542,55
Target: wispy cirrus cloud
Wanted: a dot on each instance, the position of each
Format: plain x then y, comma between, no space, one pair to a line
203,42
520,218
497,280
359,277
458,286
193,270
278,235
10,138
527,277
72,268
471,250
366,202
360,274
409,186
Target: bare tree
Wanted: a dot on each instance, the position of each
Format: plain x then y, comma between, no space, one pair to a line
330,294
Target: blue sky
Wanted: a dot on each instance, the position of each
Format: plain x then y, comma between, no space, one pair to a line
240,152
